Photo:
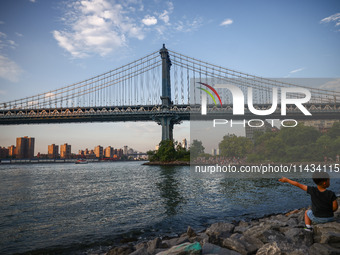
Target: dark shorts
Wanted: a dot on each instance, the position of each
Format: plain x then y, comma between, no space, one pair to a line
318,219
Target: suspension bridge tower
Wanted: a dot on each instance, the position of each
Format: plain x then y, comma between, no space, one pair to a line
166,118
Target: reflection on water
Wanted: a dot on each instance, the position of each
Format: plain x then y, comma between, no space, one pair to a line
169,190
64,208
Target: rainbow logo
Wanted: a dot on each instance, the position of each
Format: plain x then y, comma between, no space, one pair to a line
209,93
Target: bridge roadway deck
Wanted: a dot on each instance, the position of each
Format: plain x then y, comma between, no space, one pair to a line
153,113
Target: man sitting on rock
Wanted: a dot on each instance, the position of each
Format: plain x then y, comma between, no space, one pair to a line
324,201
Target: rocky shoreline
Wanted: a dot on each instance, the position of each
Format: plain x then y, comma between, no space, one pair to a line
280,234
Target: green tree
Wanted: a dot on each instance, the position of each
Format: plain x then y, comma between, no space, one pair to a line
334,131
196,149
324,145
181,153
166,151
299,135
235,146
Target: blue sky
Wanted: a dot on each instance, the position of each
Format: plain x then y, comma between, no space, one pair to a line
45,45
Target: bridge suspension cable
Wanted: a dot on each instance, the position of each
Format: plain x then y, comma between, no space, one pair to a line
201,71
121,86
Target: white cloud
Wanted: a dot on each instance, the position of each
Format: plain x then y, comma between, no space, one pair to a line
101,27
9,70
188,26
227,22
149,20
335,18
3,92
6,43
96,27
32,1
164,16
297,70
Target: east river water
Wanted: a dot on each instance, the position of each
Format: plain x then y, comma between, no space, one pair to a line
77,209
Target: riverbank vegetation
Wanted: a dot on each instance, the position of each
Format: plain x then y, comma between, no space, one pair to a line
298,144
169,151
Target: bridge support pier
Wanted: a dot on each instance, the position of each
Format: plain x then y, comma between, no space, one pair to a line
167,128
167,122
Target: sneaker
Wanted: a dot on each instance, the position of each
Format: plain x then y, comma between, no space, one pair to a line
308,229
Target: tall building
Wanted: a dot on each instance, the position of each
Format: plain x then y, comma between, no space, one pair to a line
3,152
118,152
53,151
11,151
25,147
98,151
108,152
65,151
185,144
125,150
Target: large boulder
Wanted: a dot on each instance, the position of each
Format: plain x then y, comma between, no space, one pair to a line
175,241
269,249
123,250
323,249
242,243
298,236
328,233
220,229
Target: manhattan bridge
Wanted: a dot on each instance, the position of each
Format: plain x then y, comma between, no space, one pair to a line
165,87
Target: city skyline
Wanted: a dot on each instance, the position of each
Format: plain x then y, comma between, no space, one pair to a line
45,45
73,150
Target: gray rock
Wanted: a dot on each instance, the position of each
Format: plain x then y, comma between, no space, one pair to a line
243,224
123,250
301,217
299,236
209,248
153,245
290,248
191,232
202,238
269,249
220,230
328,233
242,244
140,246
323,249
271,236
241,227
176,241
142,251
257,230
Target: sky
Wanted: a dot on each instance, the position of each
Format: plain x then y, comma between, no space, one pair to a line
46,45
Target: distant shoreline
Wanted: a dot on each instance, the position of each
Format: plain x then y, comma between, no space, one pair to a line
171,163
187,163
56,161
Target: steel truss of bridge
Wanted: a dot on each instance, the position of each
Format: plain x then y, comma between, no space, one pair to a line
154,112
